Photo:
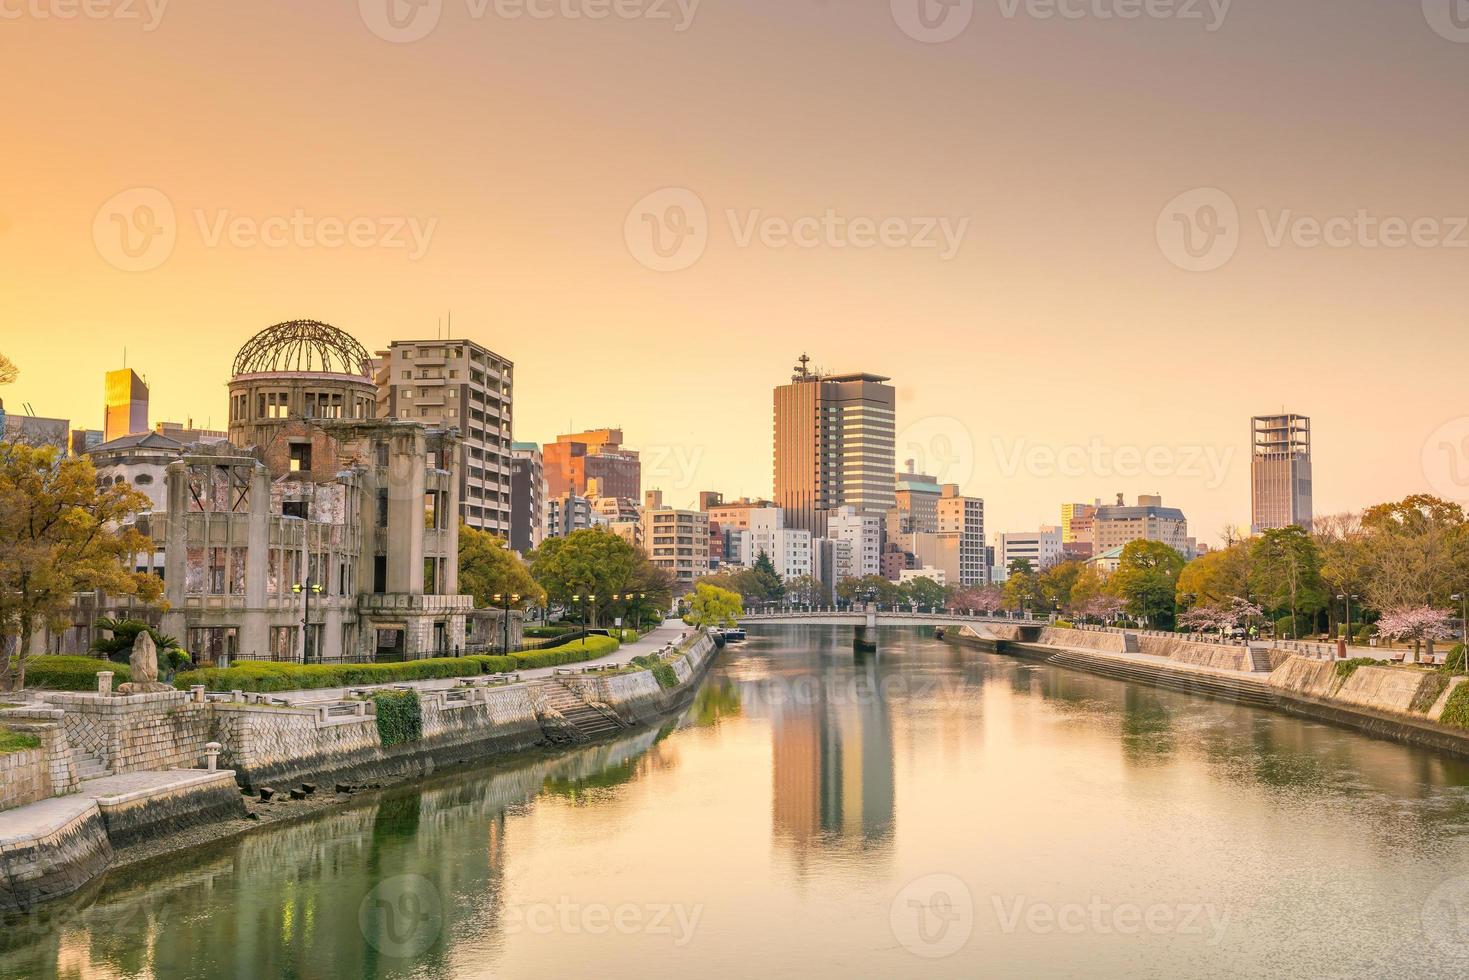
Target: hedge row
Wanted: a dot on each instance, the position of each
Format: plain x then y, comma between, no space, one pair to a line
73,673
262,676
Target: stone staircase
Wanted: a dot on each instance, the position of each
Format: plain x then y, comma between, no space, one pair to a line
90,765
571,717
1244,689
1260,660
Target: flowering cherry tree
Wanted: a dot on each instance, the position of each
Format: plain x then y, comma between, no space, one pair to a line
1416,625
1103,607
1220,617
983,600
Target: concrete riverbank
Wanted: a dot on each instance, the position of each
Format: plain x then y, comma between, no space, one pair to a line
111,769
1401,703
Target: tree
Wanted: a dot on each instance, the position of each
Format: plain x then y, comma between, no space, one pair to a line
119,646
8,371
1345,560
1022,588
868,588
589,562
1215,577
1146,580
805,590
1285,572
1057,582
60,534
924,591
1089,584
984,600
1103,608
767,580
710,605
1417,552
1416,624
1220,616
487,567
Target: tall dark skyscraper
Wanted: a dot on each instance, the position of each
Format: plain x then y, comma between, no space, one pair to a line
834,446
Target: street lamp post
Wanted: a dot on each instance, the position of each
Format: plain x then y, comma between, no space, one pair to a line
504,600
1347,597
306,590
1463,598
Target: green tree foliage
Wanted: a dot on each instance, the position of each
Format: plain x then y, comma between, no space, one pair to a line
487,567
1417,552
805,590
1216,578
118,647
924,591
60,534
592,561
710,605
868,588
767,580
1146,578
1057,583
1285,573
1023,588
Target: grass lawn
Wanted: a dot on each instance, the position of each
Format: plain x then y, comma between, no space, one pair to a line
16,741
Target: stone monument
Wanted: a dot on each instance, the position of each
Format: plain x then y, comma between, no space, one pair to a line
144,663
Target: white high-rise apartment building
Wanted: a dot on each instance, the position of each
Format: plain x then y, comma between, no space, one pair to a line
1039,549
789,548
857,539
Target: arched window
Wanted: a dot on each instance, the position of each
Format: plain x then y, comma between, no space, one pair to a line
143,479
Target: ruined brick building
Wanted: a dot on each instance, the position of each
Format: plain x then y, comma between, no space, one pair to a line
318,532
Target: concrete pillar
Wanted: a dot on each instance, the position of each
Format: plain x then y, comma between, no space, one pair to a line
104,682
211,756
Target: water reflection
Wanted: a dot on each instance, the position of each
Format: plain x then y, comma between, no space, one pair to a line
790,803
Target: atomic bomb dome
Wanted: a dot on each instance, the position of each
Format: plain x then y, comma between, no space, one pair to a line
295,372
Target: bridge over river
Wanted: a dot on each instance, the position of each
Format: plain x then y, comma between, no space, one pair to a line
866,620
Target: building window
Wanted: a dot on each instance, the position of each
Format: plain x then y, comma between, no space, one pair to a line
300,457
430,576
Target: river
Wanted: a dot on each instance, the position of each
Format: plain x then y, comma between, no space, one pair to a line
927,811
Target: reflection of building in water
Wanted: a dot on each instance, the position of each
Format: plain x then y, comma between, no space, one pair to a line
833,761
375,890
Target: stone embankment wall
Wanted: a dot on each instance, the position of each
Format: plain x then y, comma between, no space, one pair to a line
131,818
1220,656
36,868
637,697
1398,690
136,732
264,744
40,773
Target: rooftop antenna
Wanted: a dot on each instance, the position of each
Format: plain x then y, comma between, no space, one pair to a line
803,369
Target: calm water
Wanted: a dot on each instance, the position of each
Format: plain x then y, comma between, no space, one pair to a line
928,812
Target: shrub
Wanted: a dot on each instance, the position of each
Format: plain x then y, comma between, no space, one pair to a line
399,717
1364,634
662,670
1454,662
1064,624
266,676
1456,712
545,632
1285,627
73,673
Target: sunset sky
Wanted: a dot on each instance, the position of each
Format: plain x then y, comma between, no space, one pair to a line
1066,321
